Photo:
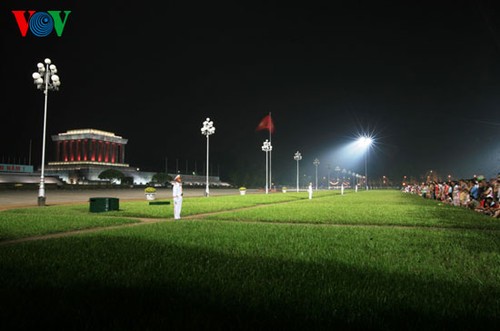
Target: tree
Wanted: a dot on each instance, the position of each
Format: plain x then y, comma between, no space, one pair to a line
112,175
127,180
161,178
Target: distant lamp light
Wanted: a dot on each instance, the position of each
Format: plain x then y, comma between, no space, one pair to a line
297,157
207,130
267,148
316,164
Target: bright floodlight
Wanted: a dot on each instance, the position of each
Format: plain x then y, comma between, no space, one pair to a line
365,141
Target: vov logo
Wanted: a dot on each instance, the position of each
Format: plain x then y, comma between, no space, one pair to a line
41,23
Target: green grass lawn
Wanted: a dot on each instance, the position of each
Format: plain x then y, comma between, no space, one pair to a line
368,208
300,270
26,222
21,223
201,205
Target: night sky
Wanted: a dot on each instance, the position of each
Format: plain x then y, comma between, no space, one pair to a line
422,77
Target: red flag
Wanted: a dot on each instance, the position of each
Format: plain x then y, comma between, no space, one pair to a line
266,124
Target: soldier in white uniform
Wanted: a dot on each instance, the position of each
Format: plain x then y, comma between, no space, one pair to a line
177,195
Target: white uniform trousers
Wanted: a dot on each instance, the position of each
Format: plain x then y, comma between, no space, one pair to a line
177,208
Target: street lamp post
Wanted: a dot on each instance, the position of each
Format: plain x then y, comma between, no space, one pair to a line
328,167
45,79
366,171
366,142
316,163
266,147
297,157
207,130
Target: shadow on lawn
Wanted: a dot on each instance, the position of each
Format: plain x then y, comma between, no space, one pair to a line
122,284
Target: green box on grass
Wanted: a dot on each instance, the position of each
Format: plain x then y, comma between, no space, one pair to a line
98,205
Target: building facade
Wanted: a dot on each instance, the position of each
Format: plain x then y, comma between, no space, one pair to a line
89,146
82,155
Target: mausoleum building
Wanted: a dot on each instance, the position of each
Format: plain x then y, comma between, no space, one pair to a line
81,155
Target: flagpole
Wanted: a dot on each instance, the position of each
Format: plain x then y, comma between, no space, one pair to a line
270,155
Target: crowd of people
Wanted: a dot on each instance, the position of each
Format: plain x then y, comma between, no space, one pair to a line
478,194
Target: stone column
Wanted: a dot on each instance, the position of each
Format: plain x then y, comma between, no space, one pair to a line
122,156
64,151
104,151
113,152
77,154
101,151
120,149
91,150
71,156
84,147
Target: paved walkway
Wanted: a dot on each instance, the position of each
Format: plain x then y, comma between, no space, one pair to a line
20,198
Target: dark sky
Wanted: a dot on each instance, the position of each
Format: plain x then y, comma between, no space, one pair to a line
422,77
